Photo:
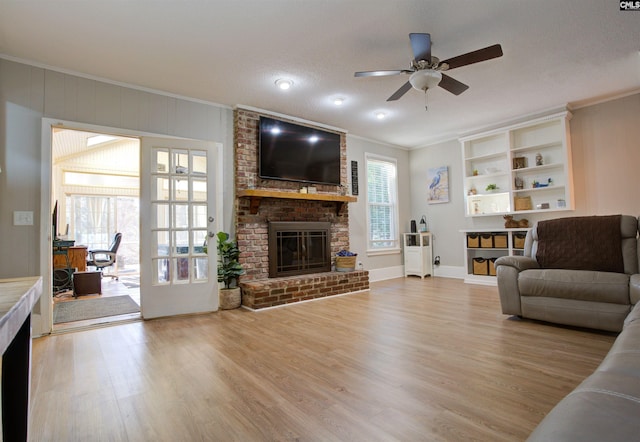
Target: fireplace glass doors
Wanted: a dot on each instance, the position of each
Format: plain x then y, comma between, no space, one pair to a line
298,248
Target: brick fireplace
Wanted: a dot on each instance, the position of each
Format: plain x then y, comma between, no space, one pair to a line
252,226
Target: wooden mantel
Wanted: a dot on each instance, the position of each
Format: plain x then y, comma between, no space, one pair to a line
256,195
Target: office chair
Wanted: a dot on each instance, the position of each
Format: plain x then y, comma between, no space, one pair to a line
105,258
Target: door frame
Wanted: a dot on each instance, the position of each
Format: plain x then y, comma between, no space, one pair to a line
42,315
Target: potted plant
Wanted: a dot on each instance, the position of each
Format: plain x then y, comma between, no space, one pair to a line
491,188
229,269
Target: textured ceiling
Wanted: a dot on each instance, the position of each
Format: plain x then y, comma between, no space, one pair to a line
231,52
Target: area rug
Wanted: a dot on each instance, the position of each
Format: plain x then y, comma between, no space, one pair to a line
82,309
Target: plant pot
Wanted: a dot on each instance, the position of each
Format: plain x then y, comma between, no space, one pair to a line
230,298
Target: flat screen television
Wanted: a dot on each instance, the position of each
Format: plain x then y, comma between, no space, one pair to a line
293,152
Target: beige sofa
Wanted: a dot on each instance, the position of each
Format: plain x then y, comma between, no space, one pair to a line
578,273
606,405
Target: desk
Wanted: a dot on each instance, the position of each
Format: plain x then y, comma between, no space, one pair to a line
17,298
77,259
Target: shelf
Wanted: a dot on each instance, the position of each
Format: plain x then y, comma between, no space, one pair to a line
256,195
489,194
550,209
538,189
537,147
490,156
487,175
536,168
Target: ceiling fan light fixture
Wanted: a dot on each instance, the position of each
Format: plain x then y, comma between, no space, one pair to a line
425,79
284,83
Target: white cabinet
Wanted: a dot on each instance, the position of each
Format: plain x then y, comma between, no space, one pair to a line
529,164
418,254
483,246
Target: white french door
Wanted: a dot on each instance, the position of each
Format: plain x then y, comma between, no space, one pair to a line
177,218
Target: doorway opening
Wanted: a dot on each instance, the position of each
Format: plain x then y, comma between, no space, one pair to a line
95,193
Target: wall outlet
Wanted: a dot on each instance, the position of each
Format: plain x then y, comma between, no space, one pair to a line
22,218
436,261
360,266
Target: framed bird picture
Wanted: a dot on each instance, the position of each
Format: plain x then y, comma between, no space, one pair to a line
438,179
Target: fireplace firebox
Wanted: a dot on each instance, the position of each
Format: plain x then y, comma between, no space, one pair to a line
298,248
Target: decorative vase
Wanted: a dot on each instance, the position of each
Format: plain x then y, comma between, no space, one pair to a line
230,298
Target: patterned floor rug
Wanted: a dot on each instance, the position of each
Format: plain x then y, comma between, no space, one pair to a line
82,309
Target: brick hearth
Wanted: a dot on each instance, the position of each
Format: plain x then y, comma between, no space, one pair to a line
277,291
259,290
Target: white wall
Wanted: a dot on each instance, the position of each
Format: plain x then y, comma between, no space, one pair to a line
27,94
380,266
444,220
606,157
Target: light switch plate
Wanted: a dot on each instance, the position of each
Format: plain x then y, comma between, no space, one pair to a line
22,218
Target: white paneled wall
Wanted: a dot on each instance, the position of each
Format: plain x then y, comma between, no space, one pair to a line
27,94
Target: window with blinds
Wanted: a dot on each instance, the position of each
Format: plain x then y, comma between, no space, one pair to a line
382,203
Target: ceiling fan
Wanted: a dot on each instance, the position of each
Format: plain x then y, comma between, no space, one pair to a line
427,71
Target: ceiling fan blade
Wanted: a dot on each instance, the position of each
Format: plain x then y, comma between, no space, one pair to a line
487,53
400,92
381,73
452,85
421,46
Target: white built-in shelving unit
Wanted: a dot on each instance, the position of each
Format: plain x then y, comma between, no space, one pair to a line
483,246
514,158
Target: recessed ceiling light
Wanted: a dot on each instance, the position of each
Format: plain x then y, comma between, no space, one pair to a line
338,101
284,83
380,115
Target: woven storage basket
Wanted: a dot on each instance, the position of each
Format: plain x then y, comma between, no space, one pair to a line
480,266
518,240
492,266
500,240
345,263
473,240
486,241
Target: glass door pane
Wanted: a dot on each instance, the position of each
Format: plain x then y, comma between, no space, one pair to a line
179,216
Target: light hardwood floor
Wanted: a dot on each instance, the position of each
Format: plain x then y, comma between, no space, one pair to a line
410,360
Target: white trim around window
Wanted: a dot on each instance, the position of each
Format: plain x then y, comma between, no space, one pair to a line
383,236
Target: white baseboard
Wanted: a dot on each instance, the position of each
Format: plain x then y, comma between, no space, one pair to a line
450,272
386,273
398,272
